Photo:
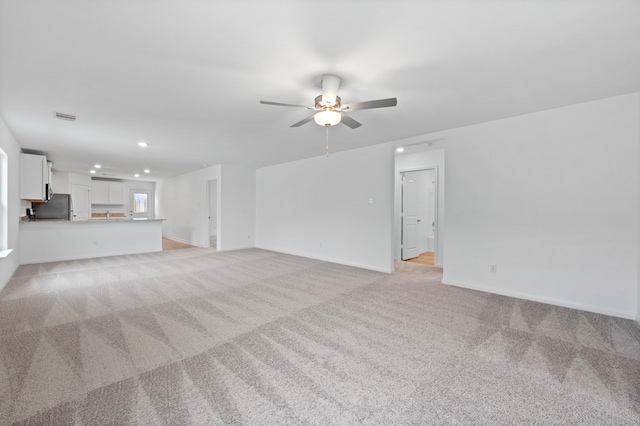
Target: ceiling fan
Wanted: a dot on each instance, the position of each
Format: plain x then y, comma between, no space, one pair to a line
328,108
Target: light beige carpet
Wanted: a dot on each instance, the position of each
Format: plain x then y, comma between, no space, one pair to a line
254,337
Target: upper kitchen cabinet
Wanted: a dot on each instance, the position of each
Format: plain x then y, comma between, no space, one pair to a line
35,178
107,192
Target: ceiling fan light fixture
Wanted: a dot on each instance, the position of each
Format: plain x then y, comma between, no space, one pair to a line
327,118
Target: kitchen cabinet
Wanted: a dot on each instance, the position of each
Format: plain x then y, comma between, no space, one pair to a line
99,192
35,176
107,192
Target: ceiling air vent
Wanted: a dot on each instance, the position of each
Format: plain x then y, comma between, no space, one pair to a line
63,116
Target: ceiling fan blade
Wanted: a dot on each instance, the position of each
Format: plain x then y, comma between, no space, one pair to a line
330,84
305,121
287,105
350,122
380,103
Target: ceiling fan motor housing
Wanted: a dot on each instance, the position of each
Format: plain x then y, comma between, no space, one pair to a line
330,85
321,106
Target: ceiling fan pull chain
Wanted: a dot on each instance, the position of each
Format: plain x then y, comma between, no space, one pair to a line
327,145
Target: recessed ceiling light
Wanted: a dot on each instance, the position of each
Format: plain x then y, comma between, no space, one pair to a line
143,144
92,171
147,171
399,149
97,166
137,175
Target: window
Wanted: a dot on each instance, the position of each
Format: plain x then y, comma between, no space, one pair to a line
4,212
140,202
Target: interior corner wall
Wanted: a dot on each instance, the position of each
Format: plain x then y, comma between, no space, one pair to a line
337,208
8,144
183,202
638,289
551,198
417,161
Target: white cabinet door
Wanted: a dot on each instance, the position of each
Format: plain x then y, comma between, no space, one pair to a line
99,192
32,178
116,193
106,192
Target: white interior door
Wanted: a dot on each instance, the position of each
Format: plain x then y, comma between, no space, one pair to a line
80,201
140,202
409,217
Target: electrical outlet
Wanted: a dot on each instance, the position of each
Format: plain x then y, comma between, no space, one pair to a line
493,268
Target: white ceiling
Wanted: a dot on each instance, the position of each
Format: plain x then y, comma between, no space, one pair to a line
186,76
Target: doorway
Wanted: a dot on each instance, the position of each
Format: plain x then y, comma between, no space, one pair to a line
419,215
212,213
140,204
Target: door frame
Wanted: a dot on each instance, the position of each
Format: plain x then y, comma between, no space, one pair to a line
209,183
74,203
401,172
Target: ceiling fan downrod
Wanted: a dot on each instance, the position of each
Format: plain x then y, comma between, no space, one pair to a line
327,145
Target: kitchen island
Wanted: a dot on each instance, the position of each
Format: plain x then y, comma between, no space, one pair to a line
59,240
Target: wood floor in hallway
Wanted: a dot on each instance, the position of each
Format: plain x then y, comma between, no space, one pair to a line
425,258
168,244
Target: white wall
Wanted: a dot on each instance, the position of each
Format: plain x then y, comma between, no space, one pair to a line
552,199
417,161
319,208
14,205
63,181
182,201
237,208
60,182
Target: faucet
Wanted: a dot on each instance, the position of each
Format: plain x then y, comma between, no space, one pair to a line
108,216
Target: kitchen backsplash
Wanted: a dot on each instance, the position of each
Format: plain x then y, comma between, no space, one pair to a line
104,215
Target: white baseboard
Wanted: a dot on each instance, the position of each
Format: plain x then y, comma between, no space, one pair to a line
8,274
180,240
84,256
550,301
